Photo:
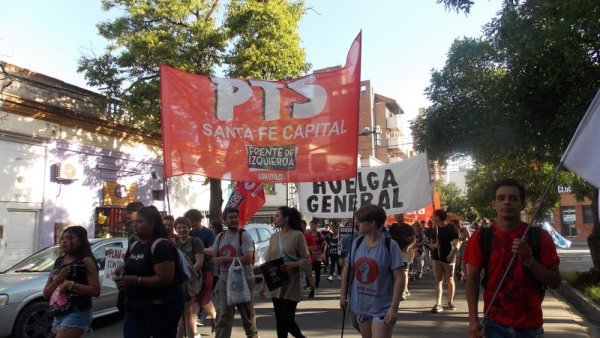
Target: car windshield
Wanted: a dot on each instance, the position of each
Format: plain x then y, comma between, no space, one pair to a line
42,261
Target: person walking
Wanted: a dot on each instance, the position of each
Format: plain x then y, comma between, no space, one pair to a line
207,236
517,310
463,236
154,298
404,235
374,266
444,245
317,252
333,248
231,244
72,283
194,250
419,260
288,243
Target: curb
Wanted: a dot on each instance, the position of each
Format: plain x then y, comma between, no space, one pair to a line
587,307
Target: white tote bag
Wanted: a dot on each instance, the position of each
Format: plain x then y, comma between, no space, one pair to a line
237,287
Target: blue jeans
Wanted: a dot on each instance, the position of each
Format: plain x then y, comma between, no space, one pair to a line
159,319
495,330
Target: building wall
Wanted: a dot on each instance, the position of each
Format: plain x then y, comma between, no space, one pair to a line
47,123
566,224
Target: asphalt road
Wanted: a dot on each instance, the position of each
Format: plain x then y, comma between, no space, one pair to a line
321,317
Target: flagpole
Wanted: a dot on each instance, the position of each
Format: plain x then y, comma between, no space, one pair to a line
514,256
348,277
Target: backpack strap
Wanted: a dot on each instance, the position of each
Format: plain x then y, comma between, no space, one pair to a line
485,238
386,240
217,242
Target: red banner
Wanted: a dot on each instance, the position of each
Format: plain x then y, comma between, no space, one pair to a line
248,198
300,130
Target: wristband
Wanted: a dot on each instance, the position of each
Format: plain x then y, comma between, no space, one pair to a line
70,288
139,281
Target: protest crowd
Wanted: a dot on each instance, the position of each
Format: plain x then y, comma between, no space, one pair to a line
179,274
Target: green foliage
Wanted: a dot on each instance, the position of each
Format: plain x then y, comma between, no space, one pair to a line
513,98
452,198
458,5
180,33
570,276
264,38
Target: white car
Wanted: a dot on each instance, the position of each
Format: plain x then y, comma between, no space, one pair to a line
261,234
24,312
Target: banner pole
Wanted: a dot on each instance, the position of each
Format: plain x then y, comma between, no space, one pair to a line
514,257
167,181
348,277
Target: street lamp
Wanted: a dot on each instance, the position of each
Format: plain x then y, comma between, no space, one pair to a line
377,132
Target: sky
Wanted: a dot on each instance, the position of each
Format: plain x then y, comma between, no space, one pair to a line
402,40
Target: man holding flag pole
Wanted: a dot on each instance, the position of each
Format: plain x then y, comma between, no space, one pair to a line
517,311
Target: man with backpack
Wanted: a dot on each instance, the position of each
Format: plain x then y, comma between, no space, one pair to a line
517,308
229,245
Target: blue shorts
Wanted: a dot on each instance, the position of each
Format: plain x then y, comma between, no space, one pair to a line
74,320
363,319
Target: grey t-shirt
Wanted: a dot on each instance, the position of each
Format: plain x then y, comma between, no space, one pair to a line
228,245
373,279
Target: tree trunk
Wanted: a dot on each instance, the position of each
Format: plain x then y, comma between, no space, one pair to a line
216,200
594,238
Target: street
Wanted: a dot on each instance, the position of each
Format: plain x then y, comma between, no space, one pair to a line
321,317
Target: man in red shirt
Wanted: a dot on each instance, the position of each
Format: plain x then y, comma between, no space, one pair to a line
517,308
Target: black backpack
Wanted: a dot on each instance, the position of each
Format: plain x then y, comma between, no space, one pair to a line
533,237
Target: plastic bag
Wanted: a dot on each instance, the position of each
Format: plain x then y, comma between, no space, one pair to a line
237,287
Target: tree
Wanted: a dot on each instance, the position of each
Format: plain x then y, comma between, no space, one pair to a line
180,33
517,94
262,38
452,198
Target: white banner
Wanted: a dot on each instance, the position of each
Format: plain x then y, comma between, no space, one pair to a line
396,187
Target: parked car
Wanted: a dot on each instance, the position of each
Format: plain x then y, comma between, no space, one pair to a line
261,234
24,311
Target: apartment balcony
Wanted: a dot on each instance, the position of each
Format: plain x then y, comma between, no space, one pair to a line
393,123
397,148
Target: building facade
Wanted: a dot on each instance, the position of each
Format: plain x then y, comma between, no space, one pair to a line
66,160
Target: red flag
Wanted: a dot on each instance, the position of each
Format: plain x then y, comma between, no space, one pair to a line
248,198
300,130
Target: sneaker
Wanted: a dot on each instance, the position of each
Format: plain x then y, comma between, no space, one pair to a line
307,287
437,309
330,278
451,306
403,297
407,292
311,294
201,317
339,277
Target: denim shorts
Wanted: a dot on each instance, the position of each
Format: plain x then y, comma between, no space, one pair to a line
77,319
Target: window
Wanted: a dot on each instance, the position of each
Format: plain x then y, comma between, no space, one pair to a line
568,218
588,216
265,234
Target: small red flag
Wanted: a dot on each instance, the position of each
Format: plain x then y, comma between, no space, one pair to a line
248,198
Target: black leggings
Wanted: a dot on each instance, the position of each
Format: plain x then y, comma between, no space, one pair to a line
317,269
285,318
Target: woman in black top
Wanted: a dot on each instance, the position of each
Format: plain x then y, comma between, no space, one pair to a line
72,284
154,299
